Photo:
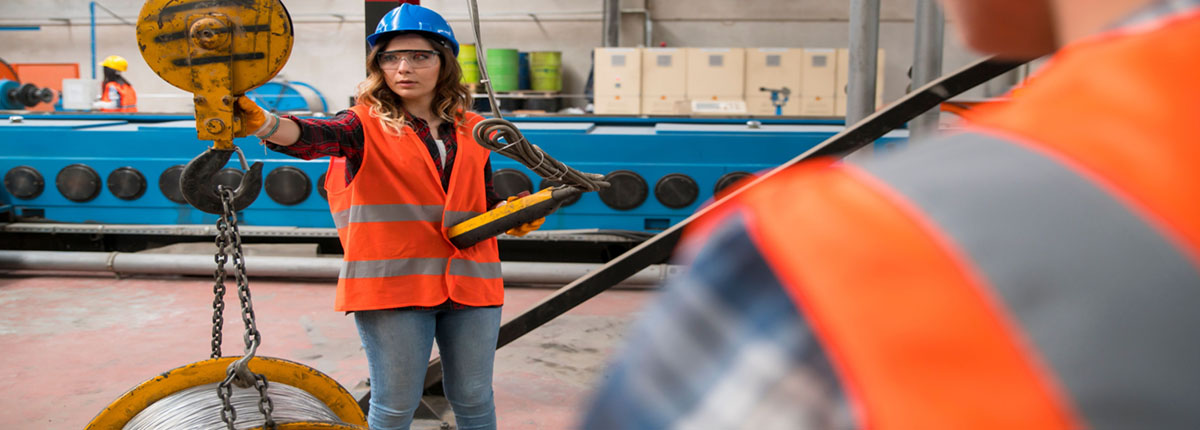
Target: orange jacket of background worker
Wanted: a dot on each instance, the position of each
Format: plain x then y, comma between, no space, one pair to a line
116,94
1037,271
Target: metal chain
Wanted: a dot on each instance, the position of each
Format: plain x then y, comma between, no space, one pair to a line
238,372
218,319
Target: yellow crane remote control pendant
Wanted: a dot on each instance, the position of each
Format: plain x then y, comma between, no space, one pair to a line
216,50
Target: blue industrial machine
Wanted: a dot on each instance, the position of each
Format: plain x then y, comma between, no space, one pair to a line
124,168
288,96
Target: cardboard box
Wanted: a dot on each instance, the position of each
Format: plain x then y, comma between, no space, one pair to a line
618,71
665,105
78,94
664,72
773,68
761,105
817,95
716,71
843,77
617,105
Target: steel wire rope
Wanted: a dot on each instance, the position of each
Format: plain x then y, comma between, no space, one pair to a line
501,136
197,408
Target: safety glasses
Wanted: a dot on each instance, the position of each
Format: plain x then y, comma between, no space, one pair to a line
416,58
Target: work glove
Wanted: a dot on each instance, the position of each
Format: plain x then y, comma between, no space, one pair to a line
523,229
255,120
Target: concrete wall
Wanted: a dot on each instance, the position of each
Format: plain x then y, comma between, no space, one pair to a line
328,51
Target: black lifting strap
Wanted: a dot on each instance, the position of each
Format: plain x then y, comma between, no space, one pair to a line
659,247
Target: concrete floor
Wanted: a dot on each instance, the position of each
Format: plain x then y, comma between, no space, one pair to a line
72,343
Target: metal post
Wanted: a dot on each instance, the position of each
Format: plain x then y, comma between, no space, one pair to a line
92,8
864,48
612,23
927,63
649,26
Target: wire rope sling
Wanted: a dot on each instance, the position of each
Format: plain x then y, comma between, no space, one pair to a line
217,51
503,137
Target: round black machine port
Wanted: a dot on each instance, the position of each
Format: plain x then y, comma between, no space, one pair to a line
628,190
287,185
78,183
24,182
546,183
321,187
229,177
676,191
728,179
126,183
511,182
168,184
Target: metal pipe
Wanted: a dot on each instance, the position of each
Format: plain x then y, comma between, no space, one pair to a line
612,23
864,48
927,63
92,9
649,29
515,272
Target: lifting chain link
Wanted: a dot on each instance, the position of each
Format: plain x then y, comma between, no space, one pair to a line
230,241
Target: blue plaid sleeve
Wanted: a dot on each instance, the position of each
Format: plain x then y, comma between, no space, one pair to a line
723,347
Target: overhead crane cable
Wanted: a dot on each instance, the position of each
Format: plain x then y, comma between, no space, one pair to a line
501,136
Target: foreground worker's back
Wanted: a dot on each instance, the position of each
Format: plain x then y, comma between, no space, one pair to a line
1038,271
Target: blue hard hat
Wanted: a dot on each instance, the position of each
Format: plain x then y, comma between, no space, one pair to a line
413,18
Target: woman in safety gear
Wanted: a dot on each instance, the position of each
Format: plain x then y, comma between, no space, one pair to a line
405,169
116,94
1039,269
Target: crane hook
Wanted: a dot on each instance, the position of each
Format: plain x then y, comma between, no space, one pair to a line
196,180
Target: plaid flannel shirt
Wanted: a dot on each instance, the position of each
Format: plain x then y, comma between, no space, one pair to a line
342,136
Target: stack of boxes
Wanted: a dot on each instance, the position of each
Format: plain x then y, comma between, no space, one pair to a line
817,88
665,81
773,69
716,74
618,81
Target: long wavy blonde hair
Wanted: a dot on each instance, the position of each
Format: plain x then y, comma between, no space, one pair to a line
450,97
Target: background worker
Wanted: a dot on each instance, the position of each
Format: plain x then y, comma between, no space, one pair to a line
411,170
1037,271
116,94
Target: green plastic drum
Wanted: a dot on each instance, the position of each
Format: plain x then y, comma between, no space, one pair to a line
502,67
545,69
469,64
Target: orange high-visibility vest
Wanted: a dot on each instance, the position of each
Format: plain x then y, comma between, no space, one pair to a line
393,218
1041,271
336,195
127,97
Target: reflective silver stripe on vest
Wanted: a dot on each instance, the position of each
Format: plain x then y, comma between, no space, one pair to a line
417,266
341,219
387,213
1111,305
475,270
455,217
394,267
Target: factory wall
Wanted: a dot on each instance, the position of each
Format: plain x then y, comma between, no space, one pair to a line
329,50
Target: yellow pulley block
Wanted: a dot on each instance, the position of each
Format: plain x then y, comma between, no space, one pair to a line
216,50
312,381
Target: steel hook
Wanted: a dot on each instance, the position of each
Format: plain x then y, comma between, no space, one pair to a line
196,180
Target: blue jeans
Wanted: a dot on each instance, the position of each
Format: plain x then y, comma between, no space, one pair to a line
398,345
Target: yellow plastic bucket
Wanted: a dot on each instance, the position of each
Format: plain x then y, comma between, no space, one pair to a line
545,70
469,64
